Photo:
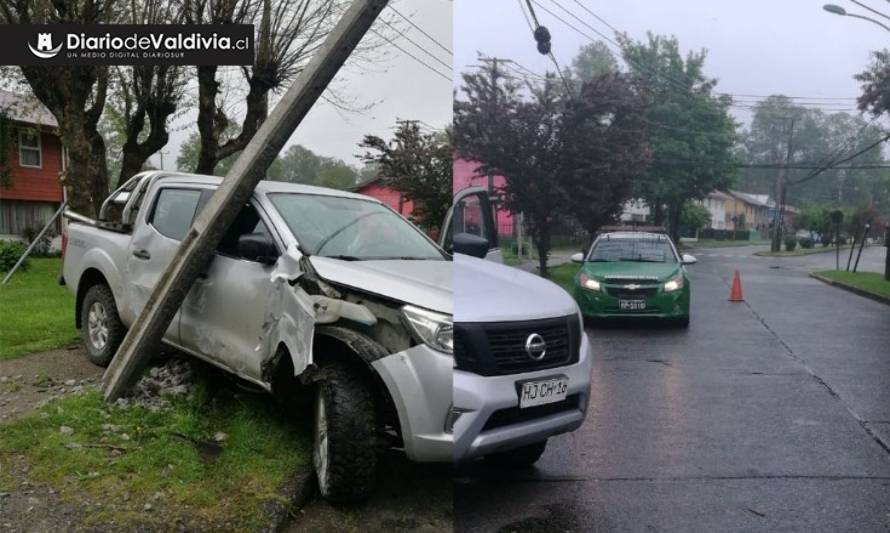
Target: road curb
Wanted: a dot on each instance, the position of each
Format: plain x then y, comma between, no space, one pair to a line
850,288
295,493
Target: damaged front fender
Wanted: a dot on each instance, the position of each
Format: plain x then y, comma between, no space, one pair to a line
292,314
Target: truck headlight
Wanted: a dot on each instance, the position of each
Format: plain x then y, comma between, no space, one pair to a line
589,283
436,330
674,283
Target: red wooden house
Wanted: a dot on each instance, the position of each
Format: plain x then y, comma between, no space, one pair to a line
465,176
375,188
31,191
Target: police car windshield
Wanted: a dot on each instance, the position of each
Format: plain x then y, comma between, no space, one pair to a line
635,249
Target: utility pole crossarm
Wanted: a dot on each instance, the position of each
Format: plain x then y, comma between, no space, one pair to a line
222,208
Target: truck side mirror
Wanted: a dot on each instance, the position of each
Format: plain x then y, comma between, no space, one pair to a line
578,258
257,247
688,259
469,244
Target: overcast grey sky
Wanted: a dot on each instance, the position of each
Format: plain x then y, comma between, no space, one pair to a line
762,47
406,90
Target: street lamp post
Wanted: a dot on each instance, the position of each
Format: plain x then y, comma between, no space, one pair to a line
838,10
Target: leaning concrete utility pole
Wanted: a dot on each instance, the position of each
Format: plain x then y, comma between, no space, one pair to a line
197,247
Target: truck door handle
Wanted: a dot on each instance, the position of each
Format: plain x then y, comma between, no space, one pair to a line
142,254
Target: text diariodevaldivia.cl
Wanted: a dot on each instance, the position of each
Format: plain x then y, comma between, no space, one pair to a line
179,41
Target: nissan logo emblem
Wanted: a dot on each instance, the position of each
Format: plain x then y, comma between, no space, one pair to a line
535,346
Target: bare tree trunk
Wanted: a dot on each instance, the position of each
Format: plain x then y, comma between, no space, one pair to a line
66,92
151,96
76,96
542,244
674,212
135,153
657,213
208,88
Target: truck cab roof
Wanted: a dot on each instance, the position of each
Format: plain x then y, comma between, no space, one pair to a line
264,186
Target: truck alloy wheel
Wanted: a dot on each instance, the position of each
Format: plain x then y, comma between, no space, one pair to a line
100,325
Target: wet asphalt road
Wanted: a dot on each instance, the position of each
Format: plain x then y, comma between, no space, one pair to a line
768,415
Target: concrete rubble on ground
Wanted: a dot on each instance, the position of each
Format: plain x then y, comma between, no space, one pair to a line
175,378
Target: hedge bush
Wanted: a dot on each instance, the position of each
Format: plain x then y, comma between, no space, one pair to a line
790,243
44,245
807,242
10,251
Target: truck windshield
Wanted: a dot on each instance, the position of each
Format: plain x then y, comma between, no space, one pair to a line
645,250
351,229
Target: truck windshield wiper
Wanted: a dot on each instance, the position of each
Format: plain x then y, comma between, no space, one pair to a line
344,257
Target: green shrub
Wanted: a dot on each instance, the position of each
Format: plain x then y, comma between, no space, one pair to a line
42,249
807,242
10,251
790,243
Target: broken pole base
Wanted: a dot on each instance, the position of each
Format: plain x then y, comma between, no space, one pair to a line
222,208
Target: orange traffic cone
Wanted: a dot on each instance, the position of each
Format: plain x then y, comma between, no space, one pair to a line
735,295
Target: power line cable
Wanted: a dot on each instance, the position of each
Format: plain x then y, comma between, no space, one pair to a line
525,15
412,41
597,17
676,85
412,56
835,164
767,96
617,31
421,30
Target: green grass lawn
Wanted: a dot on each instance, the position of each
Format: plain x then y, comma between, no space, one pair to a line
36,313
714,243
153,452
563,275
872,282
508,253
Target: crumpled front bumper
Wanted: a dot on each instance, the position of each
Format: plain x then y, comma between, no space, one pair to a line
477,398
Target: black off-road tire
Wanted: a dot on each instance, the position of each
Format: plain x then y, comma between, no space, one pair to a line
351,458
518,457
101,355
683,322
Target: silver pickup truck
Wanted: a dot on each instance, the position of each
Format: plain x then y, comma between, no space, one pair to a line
310,288
335,294
522,361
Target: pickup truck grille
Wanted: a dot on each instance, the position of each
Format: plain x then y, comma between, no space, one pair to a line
498,348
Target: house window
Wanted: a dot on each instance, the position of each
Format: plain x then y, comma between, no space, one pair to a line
29,149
